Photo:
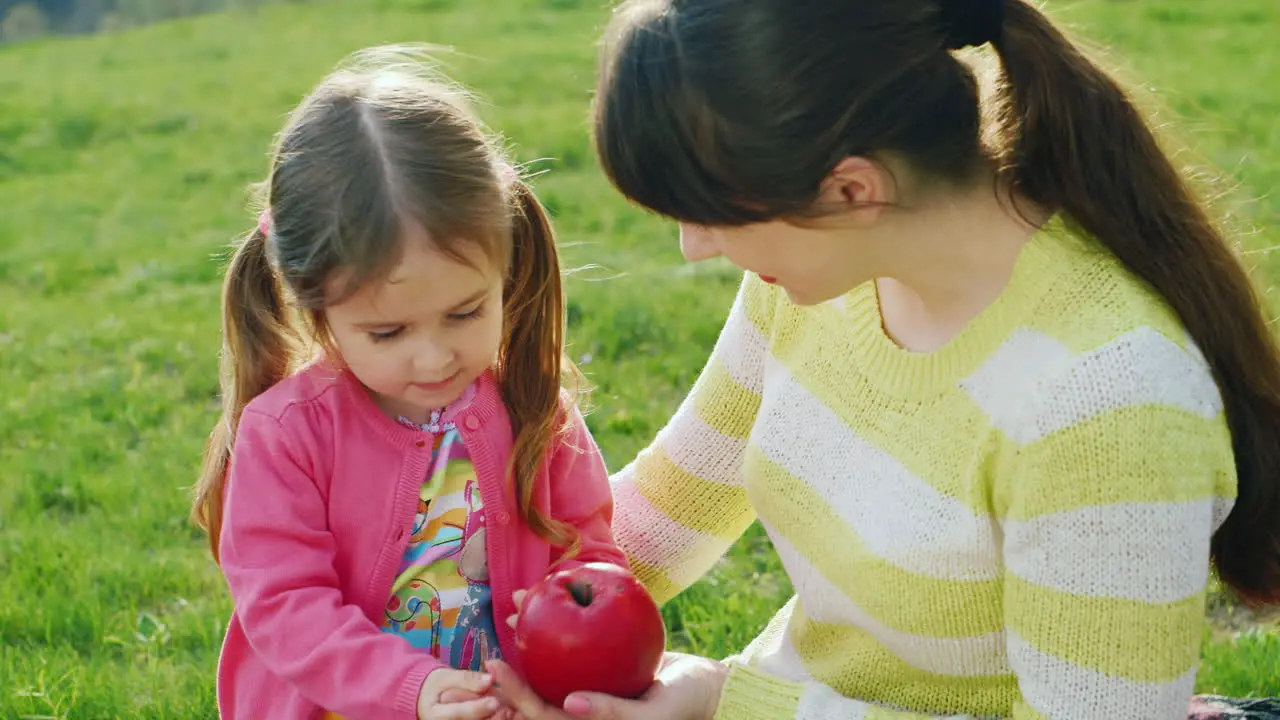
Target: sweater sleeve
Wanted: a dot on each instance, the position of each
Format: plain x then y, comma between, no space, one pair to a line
580,494
278,559
681,503
1122,472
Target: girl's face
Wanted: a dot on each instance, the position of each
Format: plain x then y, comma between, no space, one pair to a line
418,338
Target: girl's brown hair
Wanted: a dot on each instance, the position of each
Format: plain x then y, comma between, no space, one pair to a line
381,141
727,112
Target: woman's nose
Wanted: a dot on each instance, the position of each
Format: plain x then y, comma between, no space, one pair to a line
697,243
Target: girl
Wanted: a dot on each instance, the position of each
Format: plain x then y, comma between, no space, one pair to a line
384,497
995,383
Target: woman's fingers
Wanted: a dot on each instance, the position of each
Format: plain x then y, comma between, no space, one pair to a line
594,706
519,696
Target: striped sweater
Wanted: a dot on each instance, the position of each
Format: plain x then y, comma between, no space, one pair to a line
1016,525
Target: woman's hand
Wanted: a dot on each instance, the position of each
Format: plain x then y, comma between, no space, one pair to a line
687,688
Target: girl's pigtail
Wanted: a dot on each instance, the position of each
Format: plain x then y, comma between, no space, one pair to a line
257,348
532,366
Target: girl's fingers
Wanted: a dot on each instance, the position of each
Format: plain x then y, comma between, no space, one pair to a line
518,598
465,680
481,709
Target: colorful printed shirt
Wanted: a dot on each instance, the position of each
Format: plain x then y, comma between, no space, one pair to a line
440,601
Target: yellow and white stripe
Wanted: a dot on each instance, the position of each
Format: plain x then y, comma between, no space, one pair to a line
1029,541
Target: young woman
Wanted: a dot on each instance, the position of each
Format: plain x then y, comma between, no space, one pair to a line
995,383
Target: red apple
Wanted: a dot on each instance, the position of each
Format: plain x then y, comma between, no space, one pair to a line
591,628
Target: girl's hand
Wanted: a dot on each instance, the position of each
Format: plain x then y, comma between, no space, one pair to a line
457,696
518,598
475,687
687,688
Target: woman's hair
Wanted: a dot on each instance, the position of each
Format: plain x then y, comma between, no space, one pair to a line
728,112
379,142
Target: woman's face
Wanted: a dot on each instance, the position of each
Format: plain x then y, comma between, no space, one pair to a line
812,264
820,260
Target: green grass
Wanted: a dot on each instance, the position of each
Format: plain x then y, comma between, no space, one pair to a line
123,166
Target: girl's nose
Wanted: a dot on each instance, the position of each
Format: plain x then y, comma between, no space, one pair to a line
431,359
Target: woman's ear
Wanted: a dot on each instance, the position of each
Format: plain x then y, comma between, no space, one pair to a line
859,187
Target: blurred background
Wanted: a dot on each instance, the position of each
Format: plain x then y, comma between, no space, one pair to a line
31,19
130,131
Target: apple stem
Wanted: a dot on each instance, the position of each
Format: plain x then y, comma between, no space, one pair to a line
581,593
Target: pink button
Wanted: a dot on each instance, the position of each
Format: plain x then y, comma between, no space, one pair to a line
472,422
504,518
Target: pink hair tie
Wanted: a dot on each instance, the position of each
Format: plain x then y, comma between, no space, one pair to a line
264,222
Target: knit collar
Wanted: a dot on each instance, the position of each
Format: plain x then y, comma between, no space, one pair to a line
443,419
478,405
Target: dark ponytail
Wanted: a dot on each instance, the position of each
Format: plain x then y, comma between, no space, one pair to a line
1078,143
258,347
532,368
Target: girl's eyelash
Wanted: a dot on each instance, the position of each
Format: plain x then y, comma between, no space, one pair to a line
386,335
470,315
457,317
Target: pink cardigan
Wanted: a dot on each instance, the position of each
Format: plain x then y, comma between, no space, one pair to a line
322,491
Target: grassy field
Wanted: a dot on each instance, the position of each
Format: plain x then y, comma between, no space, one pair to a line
123,166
